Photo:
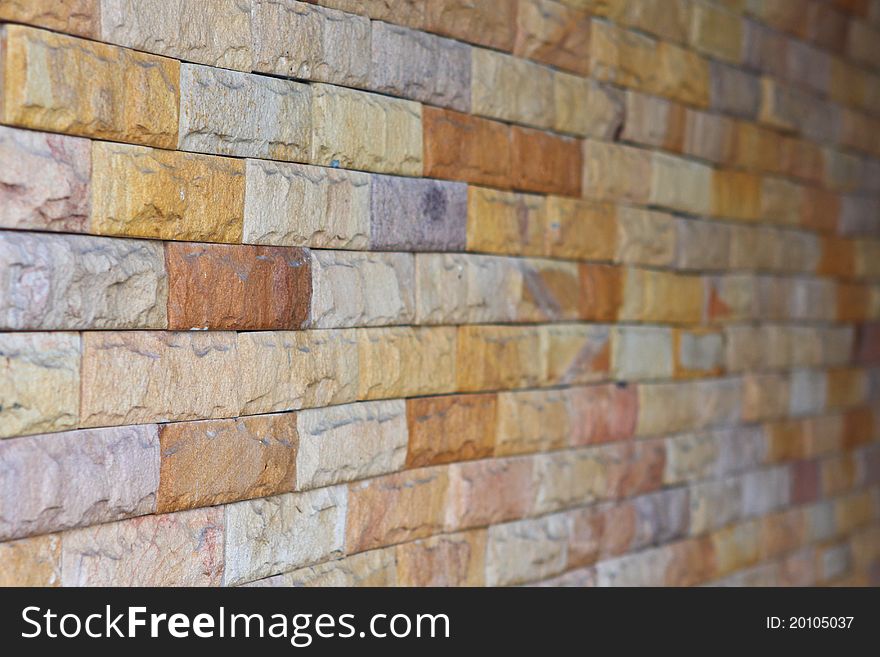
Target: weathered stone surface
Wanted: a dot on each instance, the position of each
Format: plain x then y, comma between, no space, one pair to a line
490,23
450,428
224,286
216,34
406,361
179,549
464,147
716,32
303,41
77,478
395,508
645,237
705,245
554,34
446,560
526,550
499,358
586,108
531,421
765,396
615,172
44,181
59,83
576,353
602,413
144,192
218,114
580,229
622,56
361,289
148,376
681,74
671,407
299,205
680,184
641,352
78,17
691,456
31,562
654,121
355,441
668,19
64,282
420,66
402,12
568,478
288,370
488,491
656,296
411,214
216,461
40,387
358,130
370,568
602,288
506,222
274,534
698,352
511,89
543,162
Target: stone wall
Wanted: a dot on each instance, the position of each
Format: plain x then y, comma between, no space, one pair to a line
439,292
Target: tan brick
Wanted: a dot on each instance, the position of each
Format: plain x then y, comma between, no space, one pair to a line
145,376
216,34
671,407
526,550
361,289
143,192
603,413
490,23
406,361
274,534
498,358
655,296
716,32
402,12
585,108
641,352
44,181
615,172
217,114
299,205
63,84
395,508
511,89
698,352
576,353
505,222
544,162
568,478
580,229
80,17
371,568
358,130
680,184
681,75
31,562
286,370
180,549
39,390
446,560
736,194
450,428
216,461
645,237
554,34
531,421
354,441
298,40
668,19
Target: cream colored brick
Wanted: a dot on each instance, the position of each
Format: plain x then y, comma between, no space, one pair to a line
511,89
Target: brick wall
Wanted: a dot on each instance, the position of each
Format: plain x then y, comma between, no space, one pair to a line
439,292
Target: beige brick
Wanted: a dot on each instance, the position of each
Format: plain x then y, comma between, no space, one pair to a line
285,370
145,192
526,550
354,441
585,108
39,390
371,568
641,352
216,34
716,32
568,478
145,376
299,205
505,222
658,296
580,229
217,114
645,237
406,361
180,549
576,353
446,560
531,421
361,289
499,358
552,33
511,89
299,40
671,407
31,562
275,534
63,84
615,172
358,130
665,18
681,184
80,17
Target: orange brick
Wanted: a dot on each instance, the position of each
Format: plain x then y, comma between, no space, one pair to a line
838,257
450,428
601,292
463,147
546,163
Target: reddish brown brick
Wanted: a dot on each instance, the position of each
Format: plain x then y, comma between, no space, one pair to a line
546,163
462,147
490,23
219,286
450,428
601,292
488,492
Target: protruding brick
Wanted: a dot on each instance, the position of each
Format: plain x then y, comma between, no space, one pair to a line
450,428
354,441
40,388
44,181
58,83
144,192
545,163
395,508
77,478
216,461
217,114
716,32
358,130
147,376
299,40
464,147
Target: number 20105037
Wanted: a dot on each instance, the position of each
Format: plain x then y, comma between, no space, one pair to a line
810,622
